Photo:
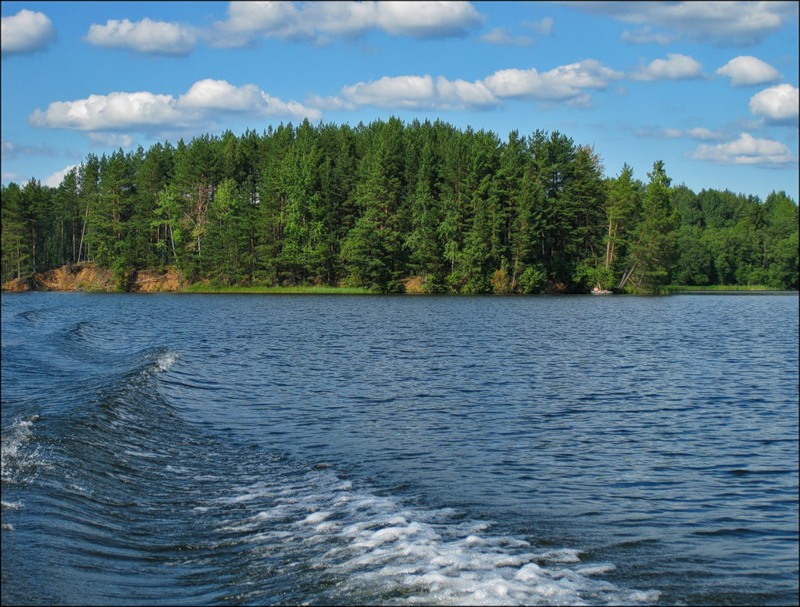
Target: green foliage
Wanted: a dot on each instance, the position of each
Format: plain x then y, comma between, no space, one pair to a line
533,279
695,264
16,242
388,206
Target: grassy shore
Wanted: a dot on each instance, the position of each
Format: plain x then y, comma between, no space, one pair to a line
298,290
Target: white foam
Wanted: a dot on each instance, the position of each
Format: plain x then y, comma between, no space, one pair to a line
474,540
327,527
316,518
565,555
377,548
18,462
18,434
645,596
166,360
600,569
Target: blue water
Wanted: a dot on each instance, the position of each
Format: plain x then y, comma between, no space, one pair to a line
198,449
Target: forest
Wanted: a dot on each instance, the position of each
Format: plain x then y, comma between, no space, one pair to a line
394,206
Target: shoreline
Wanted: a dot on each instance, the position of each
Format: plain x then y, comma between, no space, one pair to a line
89,278
309,290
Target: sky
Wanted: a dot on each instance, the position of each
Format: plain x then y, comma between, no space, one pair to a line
709,88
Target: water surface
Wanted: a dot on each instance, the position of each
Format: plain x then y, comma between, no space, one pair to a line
197,449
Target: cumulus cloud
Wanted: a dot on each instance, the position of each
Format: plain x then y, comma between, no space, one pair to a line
56,178
419,92
427,19
561,83
145,36
211,94
400,91
746,70
724,23
746,150
145,111
219,95
674,67
320,20
248,19
460,94
26,32
778,104
567,83
108,112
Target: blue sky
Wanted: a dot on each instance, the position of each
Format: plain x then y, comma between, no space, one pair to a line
710,88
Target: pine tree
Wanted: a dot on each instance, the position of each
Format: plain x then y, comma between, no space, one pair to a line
651,255
16,242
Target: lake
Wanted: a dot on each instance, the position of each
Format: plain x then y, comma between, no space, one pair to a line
176,449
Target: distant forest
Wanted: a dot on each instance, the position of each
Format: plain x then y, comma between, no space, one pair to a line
389,204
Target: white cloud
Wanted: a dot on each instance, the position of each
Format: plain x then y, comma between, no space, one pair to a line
219,95
399,91
320,20
501,36
56,178
148,111
746,70
460,94
564,83
561,83
145,36
746,150
249,19
427,19
674,67
778,103
415,92
211,94
26,32
724,23
114,111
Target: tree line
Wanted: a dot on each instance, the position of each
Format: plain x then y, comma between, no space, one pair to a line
388,204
